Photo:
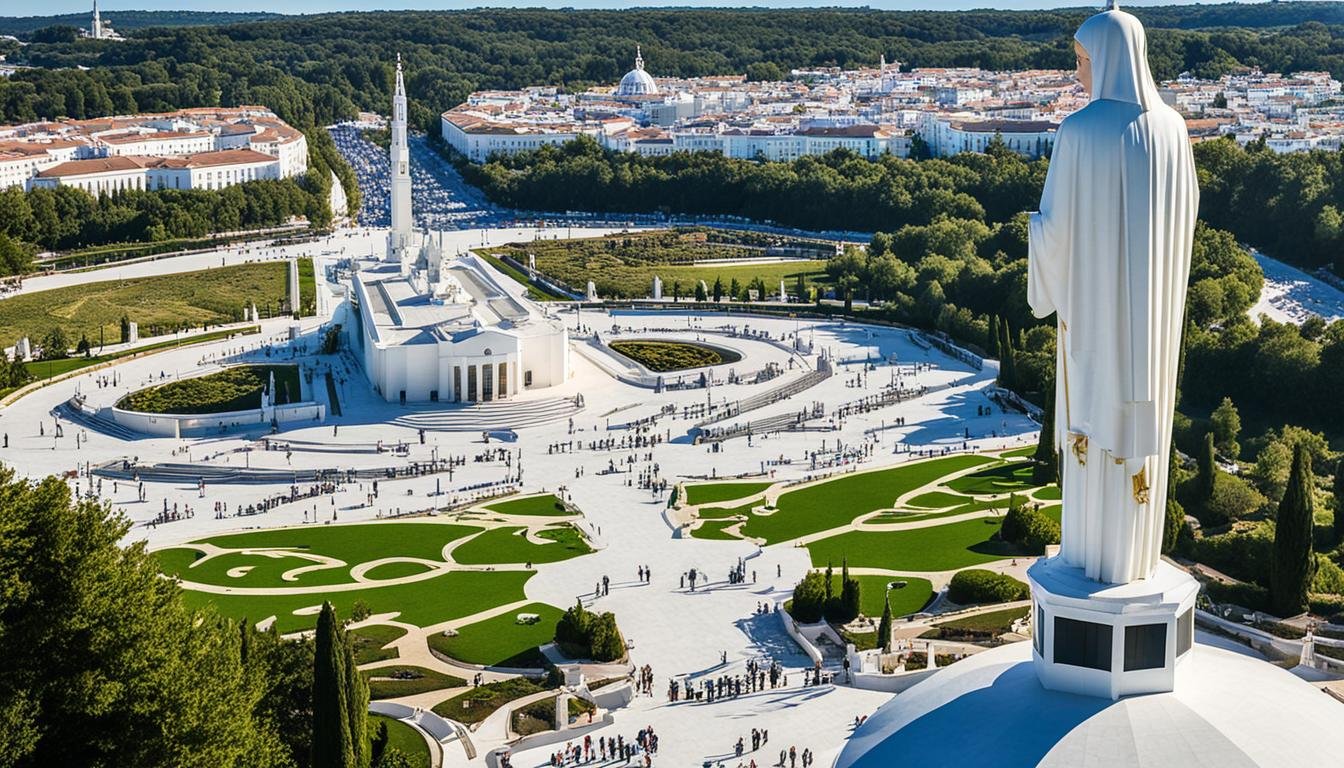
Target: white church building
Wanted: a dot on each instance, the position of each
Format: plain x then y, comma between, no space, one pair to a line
436,329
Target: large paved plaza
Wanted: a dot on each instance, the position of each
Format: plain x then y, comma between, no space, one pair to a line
613,450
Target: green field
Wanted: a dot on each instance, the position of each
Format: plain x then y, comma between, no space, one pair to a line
501,641
906,600
719,513
395,570
991,623
508,545
939,548
714,529
404,739
475,705
666,356
623,266
938,500
368,642
545,505
163,302
45,369
837,502
405,680
945,547
708,493
422,603
236,388
351,544
1001,478
534,292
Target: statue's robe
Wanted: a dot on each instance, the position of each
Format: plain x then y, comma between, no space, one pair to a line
1110,255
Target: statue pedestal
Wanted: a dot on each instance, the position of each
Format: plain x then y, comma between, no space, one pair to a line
1110,640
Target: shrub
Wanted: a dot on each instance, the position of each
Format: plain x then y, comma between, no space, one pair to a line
1244,553
607,643
1252,596
809,598
977,585
1028,527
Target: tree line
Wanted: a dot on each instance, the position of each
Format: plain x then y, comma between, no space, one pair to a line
106,666
319,69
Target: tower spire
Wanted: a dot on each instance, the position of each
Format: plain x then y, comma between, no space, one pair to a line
639,58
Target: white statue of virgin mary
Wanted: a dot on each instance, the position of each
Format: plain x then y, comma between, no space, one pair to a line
1110,255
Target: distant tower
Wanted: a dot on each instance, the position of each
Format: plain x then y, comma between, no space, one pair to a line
400,237
97,30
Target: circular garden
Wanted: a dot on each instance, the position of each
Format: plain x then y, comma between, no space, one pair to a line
237,388
667,356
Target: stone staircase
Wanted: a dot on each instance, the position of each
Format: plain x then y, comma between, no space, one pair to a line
490,416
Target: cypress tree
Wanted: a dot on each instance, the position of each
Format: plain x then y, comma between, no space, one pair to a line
1339,499
1046,467
1208,470
992,347
357,694
1007,364
884,626
331,719
1294,564
830,574
849,594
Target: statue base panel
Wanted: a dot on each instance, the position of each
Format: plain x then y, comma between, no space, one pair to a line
1110,640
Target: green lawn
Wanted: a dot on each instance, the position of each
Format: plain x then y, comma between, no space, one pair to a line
708,493
1048,493
236,388
422,603
157,303
475,705
665,356
404,680
908,599
990,623
838,501
939,548
404,739
352,544
46,369
715,529
395,570
263,570
368,642
938,500
1025,451
545,505
1001,478
720,513
534,292
507,545
501,641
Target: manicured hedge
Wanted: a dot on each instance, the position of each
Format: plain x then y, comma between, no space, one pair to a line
978,585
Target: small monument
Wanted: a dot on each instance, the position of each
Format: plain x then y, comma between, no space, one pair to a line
783,294
132,332
657,288
591,294
23,350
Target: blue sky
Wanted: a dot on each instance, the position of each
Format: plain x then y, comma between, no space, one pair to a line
50,7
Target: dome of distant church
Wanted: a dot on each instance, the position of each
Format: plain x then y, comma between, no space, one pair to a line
637,82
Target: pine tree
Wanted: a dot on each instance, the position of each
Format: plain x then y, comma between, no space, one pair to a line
332,745
1208,471
1294,564
884,626
1046,467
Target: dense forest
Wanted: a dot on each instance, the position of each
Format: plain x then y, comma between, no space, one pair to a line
23,27
319,69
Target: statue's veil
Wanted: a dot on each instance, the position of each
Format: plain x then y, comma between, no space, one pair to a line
1119,51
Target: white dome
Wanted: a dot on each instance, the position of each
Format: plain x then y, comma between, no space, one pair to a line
637,82
1228,711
